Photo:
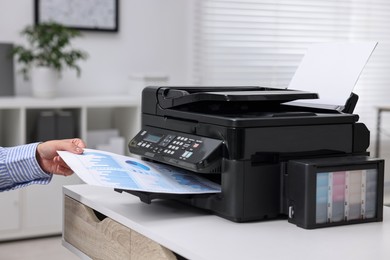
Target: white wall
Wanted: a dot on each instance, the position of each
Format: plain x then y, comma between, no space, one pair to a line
153,38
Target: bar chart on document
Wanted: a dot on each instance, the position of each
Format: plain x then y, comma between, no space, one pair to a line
111,173
111,170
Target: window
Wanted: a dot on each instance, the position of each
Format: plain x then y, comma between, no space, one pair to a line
261,42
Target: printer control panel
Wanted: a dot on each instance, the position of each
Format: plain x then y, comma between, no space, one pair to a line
196,153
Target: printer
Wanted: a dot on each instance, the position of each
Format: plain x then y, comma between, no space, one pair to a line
273,157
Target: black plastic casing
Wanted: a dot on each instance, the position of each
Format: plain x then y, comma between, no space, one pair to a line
302,188
259,138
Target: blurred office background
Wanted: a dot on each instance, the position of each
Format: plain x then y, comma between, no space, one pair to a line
222,42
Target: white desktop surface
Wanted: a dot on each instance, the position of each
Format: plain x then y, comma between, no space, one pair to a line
196,234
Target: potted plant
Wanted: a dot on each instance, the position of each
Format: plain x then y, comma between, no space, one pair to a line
48,53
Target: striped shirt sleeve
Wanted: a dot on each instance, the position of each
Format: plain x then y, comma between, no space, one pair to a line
19,167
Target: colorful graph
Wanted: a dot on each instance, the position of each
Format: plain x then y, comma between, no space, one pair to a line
123,172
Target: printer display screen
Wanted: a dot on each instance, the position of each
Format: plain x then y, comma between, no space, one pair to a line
152,138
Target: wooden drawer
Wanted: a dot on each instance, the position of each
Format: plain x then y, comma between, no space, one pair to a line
100,237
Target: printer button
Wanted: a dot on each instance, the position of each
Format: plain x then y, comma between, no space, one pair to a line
149,154
195,145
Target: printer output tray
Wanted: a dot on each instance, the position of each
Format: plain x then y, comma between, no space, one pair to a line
147,197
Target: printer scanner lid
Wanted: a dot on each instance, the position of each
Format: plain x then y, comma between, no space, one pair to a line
235,107
169,97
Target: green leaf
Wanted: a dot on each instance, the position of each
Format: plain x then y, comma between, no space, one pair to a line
49,46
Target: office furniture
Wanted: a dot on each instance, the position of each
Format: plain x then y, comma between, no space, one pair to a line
100,222
380,111
36,210
6,70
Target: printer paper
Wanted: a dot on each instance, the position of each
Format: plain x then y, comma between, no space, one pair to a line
106,169
331,70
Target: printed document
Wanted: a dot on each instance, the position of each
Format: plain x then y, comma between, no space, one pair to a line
106,169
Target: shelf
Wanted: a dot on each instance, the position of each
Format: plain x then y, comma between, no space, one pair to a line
28,207
69,102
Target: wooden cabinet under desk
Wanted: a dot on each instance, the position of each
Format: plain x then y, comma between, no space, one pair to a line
120,222
27,209
100,237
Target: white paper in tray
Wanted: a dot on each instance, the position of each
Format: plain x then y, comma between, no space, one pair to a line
331,70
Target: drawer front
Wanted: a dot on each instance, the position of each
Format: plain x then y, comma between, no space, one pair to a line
100,237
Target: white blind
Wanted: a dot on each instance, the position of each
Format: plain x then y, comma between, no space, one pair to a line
261,42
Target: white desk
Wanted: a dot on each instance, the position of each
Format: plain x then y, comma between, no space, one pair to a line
195,234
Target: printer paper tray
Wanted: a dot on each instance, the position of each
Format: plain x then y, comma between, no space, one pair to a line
147,197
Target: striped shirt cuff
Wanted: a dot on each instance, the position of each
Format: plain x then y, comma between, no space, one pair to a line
23,167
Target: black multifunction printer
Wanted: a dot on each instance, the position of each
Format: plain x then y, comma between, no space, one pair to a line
272,157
